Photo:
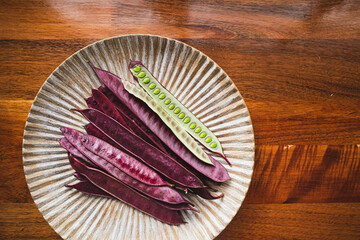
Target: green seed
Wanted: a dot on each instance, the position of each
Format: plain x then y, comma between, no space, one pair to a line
137,68
167,101
181,115
193,125
198,130
156,91
162,96
187,120
203,134
146,80
172,106
142,74
213,145
209,139
152,86
177,110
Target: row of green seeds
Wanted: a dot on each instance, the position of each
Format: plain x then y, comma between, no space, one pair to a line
162,96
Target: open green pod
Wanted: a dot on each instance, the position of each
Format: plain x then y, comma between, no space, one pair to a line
179,132
174,108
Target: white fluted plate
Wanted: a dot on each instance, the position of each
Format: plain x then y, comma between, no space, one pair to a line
194,79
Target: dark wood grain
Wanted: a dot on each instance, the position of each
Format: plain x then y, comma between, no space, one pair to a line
295,221
24,221
296,63
13,186
282,173
254,221
227,19
288,80
305,174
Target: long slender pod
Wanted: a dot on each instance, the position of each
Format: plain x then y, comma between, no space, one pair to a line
85,186
115,85
142,150
125,194
217,172
126,163
134,123
107,157
74,151
91,102
107,107
162,193
185,118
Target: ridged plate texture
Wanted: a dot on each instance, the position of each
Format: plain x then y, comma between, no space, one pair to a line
194,79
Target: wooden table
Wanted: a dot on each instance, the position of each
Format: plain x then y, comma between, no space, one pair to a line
296,63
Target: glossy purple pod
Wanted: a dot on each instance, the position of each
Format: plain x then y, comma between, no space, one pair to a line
74,151
85,186
217,172
91,102
123,161
134,123
143,151
107,107
162,193
125,194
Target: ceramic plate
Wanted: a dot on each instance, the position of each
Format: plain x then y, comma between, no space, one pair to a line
194,79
